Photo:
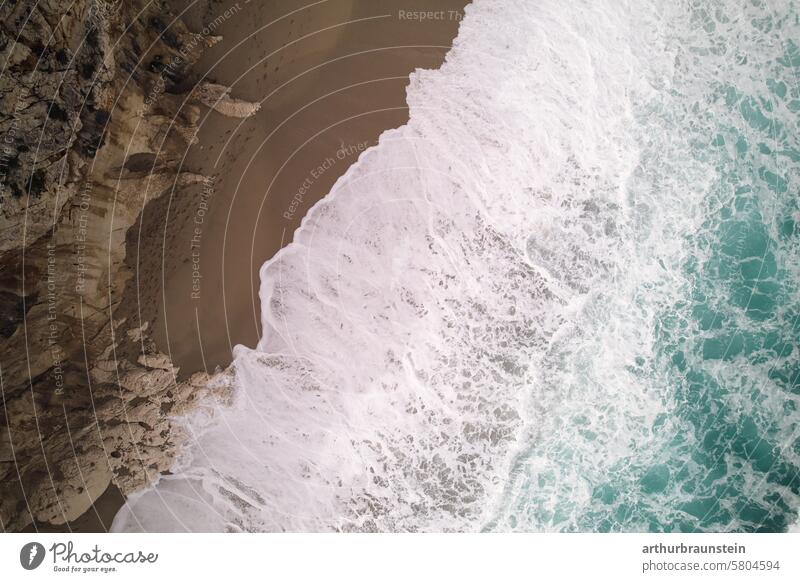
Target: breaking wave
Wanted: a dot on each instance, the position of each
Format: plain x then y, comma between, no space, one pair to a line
563,297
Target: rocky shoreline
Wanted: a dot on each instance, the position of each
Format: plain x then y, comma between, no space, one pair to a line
97,110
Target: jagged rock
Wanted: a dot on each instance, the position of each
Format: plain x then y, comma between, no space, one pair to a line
138,334
90,128
160,361
78,481
218,98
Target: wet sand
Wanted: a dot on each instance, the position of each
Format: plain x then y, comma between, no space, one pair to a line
331,78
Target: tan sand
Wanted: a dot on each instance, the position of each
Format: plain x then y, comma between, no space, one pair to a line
332,78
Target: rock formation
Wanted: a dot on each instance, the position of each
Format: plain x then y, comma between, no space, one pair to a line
218,98
97,109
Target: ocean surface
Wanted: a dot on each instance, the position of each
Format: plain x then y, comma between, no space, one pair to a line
563,297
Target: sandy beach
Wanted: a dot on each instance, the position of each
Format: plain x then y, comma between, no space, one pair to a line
330,78
254,277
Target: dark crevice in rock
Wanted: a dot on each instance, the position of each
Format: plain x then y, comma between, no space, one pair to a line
87,400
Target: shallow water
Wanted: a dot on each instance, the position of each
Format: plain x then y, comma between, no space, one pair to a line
563,297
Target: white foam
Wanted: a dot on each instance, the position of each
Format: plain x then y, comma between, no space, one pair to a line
455,301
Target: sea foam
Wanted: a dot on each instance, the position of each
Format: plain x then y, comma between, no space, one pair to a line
468,332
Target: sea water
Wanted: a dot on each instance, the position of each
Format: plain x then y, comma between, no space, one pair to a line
563,297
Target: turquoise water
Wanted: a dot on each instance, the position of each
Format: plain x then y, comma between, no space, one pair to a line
729,440
732,345
563,297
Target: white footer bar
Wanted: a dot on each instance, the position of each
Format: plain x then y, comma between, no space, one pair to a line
406,557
